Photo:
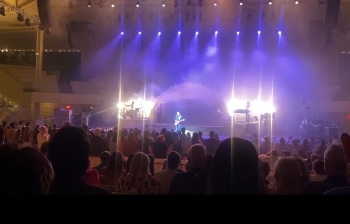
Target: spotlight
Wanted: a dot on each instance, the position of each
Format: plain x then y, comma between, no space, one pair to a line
259,32
27,22
237,32
122,33
20,17
189,2
200,3
179,32
240,2
216,32
159,33
279,32
215,3
89,4
112,5
176,4
2,10
296,2
139,32
163,4
137,4
197,33
270,2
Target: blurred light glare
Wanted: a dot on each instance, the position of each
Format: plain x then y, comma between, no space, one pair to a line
122,33
259,32
139,32
197,33
237,32
216,32
279,32
159,33
179,32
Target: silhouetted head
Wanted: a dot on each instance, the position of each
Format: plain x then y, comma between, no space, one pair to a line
235,168
68,152
24,171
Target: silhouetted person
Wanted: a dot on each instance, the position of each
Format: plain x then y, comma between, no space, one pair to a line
68,152
24,171
211,143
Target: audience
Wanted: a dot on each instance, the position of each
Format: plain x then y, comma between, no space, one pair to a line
24,171
104,157
114,169
232,157
165,176
194,181
335,170
68,152
287,176
139,179
59,163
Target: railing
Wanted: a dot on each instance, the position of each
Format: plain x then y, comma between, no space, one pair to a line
17,57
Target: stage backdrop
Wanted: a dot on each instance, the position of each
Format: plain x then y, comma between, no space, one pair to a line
196,103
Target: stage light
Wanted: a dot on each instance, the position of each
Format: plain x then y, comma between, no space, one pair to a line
216,32
270,2
296,2
259,32
215,3
139,32
159,33
237,32
2,11
163,4
112,5
240,2
200,3
176,4
279,32
27,22
197,33
179,32
89,4
20,17
122,33
189,2
137,4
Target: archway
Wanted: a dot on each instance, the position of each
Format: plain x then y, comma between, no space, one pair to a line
197,104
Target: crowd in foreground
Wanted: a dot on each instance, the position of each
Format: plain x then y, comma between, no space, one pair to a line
57,161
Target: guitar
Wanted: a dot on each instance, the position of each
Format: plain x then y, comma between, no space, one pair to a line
178,122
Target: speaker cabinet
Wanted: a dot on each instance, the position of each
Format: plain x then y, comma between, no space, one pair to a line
44,13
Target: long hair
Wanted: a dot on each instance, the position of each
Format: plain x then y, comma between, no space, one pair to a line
115,162
140,164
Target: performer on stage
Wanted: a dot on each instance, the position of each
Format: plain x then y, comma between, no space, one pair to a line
247,115
177,120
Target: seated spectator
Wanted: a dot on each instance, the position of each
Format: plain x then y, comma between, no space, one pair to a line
271,159
305,174
91,177
139,179
194,181
130,145
128,164
24,171
165,177
335,169
68,152
287,176
98,144
209,163
114,169
265,171
235,169
104,157
318,168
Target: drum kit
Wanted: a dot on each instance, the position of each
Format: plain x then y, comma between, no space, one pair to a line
128,112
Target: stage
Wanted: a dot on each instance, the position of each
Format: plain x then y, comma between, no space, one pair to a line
224,129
